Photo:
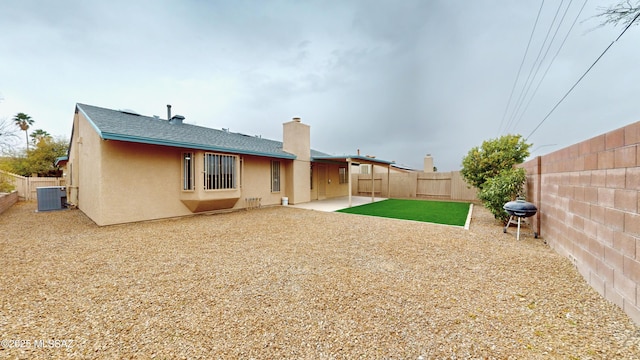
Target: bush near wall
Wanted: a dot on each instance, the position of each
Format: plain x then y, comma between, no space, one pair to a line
6,185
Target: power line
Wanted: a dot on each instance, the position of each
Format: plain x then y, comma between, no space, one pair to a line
515,119
527,85
535,24
583,75
544,75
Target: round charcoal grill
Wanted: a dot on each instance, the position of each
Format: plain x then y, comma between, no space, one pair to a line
520,209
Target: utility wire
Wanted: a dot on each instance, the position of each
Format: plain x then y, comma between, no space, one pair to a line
550,63
527,85
535,24
583,75
515,118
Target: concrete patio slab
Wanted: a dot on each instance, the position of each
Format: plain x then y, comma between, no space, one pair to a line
333,204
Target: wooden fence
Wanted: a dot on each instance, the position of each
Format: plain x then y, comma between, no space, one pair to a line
436,185
26,186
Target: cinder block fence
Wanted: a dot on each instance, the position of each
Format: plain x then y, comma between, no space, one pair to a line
588,197
7,200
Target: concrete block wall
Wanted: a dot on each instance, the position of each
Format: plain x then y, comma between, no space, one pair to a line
7,200
588,197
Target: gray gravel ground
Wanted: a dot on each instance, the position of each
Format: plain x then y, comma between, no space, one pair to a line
292,283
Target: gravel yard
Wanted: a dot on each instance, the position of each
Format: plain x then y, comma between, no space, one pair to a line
292,283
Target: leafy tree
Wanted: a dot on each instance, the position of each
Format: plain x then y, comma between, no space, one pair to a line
39,134
499,190
39,160
490,168
24,121
5,185
495,155
624,12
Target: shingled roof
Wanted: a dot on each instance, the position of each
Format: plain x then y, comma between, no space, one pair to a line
131,127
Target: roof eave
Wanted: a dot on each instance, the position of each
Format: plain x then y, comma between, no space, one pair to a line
354,158
86,116
61,159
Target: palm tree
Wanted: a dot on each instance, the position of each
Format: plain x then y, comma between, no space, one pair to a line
38,135
23,121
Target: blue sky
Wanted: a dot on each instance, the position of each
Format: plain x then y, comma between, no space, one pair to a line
396,79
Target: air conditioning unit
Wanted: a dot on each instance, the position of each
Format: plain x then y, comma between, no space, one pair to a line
51,198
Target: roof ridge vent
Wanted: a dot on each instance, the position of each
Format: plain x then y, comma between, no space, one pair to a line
129,112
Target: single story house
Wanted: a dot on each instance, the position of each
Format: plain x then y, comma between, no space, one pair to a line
124,167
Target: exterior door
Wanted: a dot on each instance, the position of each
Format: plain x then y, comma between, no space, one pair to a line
322,182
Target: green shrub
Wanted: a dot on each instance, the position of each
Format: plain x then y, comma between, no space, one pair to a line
500,189
5,185
484,162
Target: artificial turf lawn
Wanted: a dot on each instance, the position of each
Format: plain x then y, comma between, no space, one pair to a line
439,212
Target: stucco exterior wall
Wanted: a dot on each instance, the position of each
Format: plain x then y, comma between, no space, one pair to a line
256,180
334,188
326,181
588,199
298,175
296,140
84,169
144,182
116,182
313,182
148,184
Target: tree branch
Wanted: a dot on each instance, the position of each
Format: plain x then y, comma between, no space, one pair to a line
623,13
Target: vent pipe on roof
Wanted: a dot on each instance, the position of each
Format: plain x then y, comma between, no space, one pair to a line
296,119
168,112
176,120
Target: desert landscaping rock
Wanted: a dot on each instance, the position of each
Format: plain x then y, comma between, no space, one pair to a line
291,283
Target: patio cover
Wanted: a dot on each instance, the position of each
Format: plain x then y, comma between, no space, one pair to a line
358,159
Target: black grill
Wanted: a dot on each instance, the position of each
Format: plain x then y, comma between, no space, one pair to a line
520,209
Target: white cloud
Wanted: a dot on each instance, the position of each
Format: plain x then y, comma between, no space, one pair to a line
395,79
